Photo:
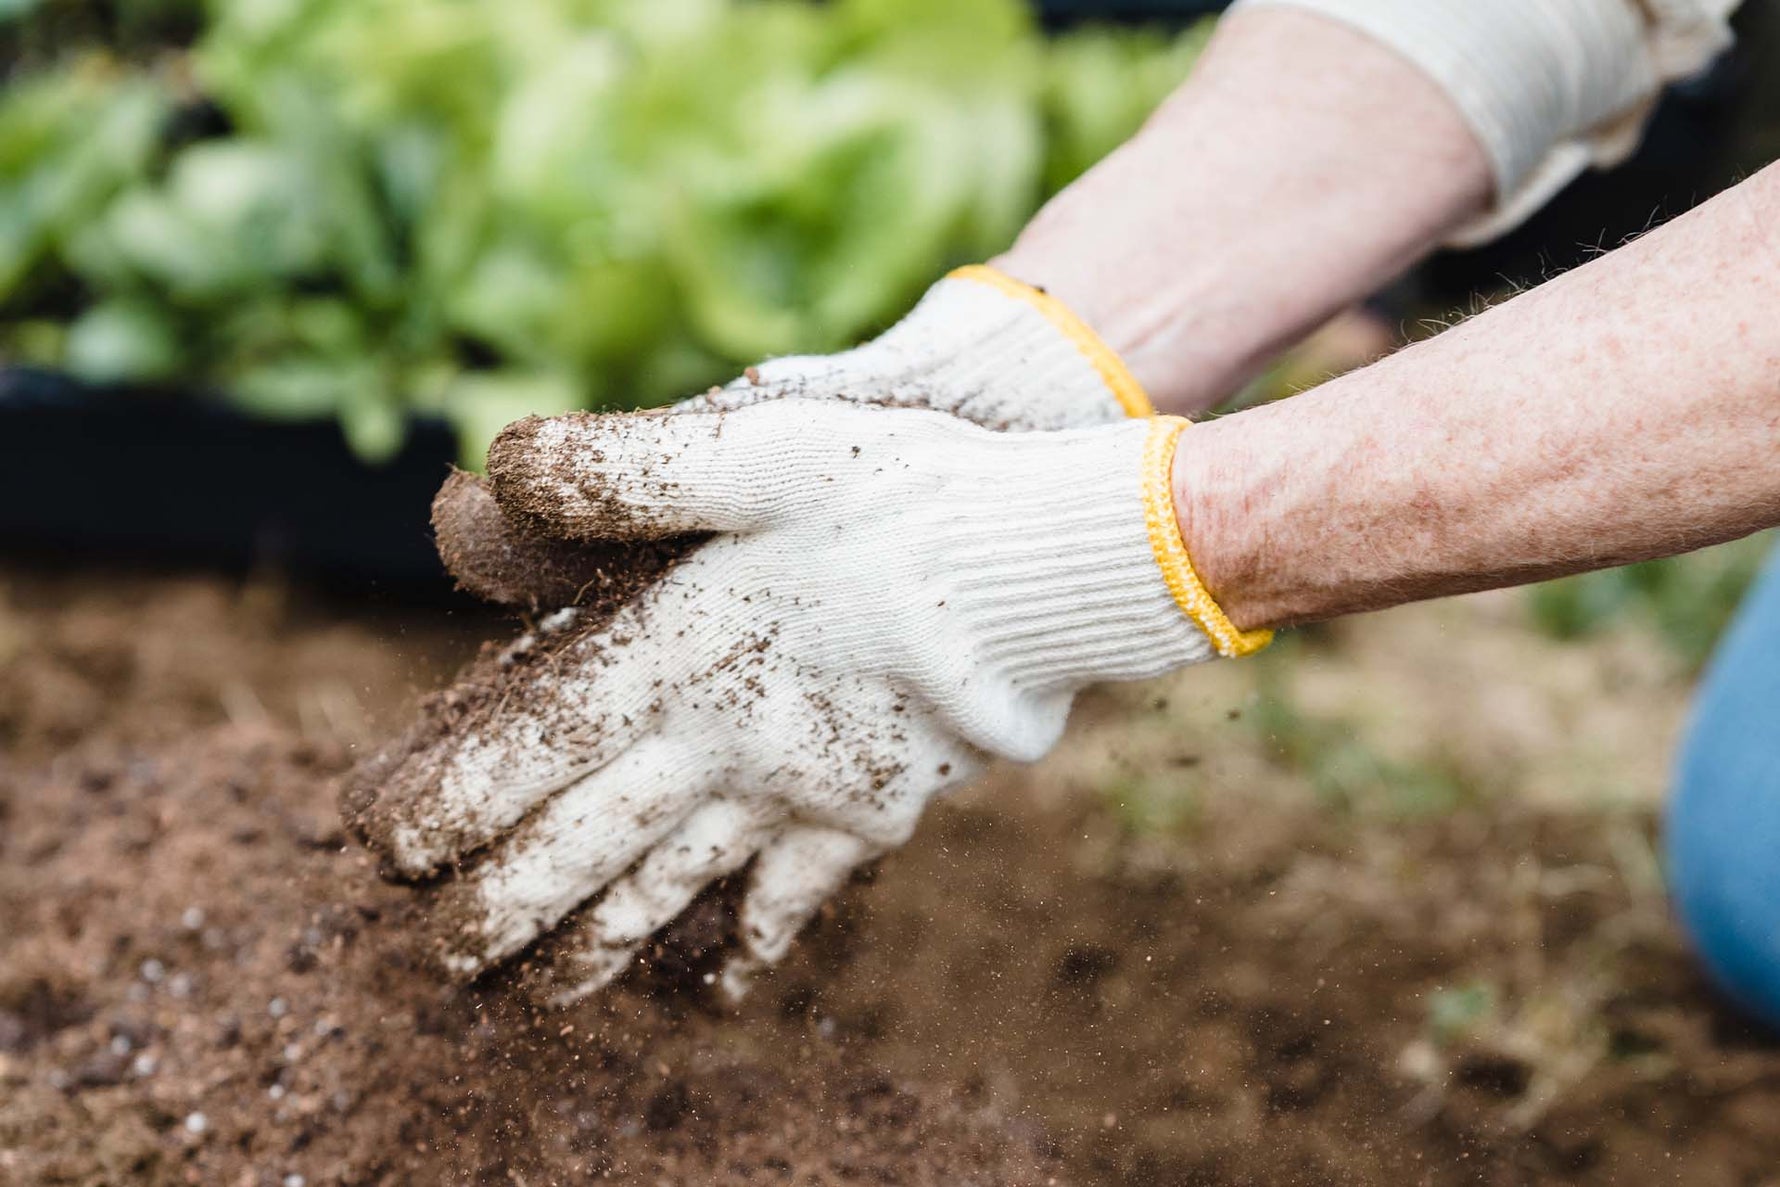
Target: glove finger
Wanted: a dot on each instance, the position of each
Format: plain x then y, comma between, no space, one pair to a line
566,853
792,878
716,840
517,726
490,557
639,477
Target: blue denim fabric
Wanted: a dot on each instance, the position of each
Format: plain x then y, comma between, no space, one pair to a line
1723,835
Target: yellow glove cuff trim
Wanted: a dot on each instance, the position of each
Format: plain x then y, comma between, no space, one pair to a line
1112,370
1178,573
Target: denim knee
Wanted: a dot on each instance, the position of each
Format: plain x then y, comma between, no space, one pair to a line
1723,830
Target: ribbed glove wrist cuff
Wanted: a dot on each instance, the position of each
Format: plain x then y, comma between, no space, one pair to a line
1170,550
1038,343
982,346
1076,573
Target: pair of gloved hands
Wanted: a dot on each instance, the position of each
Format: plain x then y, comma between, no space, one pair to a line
839,590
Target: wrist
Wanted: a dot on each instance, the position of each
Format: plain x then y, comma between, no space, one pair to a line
1120,596
1056,577
1197,370
1225,522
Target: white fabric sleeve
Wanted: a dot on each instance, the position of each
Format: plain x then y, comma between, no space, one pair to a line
1550,87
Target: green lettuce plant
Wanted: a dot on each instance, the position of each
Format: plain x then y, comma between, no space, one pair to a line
482,208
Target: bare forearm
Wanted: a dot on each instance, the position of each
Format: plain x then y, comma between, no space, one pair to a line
1300,167
1626,410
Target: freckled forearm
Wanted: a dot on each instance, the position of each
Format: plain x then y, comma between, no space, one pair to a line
1626,410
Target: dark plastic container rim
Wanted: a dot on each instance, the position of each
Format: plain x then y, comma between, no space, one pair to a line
91,472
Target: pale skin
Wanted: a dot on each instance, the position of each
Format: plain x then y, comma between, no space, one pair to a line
1626,410
1300,168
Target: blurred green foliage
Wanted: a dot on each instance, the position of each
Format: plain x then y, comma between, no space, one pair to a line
1454,1013
483,208
1687,600
1156,804
1345,772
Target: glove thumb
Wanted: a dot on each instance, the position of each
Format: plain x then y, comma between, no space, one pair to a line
632,476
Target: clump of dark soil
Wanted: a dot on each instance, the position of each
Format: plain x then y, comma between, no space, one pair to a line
499,562
203,981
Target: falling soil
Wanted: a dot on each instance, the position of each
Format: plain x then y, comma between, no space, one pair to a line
203,981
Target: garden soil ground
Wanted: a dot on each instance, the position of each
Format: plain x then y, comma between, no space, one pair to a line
202,981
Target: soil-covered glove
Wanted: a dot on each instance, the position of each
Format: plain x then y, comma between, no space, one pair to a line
979,345
889,598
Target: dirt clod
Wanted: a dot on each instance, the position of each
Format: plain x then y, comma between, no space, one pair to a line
499,562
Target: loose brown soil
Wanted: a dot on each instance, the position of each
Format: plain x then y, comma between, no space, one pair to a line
202,980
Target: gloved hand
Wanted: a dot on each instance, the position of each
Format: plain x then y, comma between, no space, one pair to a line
890,598
979,345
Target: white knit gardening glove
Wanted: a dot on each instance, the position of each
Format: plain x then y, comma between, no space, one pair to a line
892,597
979,345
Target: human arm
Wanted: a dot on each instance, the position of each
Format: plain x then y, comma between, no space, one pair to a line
1310,156
1625,410
658,738
1322,146
1318,148
1300,167
893,596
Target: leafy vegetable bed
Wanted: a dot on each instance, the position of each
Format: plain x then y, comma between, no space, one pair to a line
371,208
